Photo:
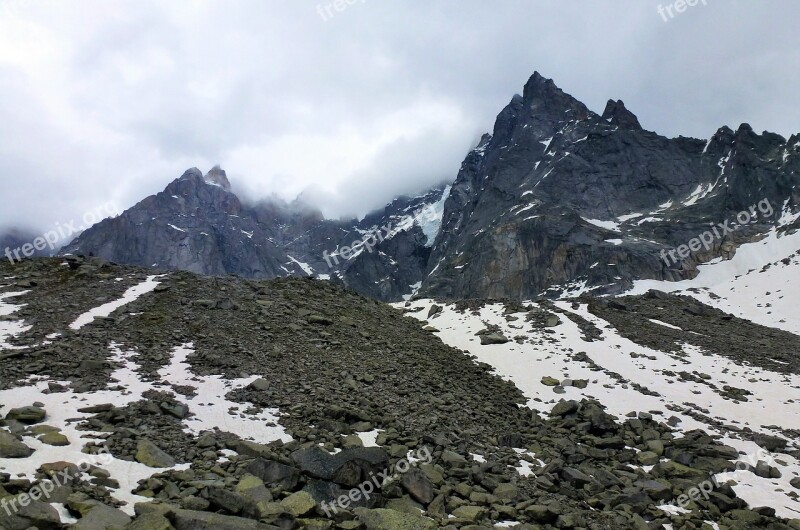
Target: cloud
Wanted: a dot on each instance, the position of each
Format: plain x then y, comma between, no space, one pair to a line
112,100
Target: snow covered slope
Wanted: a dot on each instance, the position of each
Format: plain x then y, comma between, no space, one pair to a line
66,409
553,363
759,283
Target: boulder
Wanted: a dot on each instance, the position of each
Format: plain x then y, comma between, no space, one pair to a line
493,338
102,517
149,454
299,503
192,520
54,438
417,484
382,519
563,408
274,473
29,415
37,514
10,447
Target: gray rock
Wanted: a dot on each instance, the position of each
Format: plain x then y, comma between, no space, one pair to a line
274,473
381,519
494,338
102,517
27,415
150,455
563,408
10,447
418,485
37,514
192,520
177,410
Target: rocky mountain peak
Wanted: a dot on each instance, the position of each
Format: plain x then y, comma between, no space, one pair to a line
218,177
617,114
191,173
546,100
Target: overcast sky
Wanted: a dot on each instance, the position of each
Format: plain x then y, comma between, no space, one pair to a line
111,100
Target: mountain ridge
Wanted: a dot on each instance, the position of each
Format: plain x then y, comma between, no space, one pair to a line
557,196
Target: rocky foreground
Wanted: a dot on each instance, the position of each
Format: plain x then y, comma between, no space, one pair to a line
235,404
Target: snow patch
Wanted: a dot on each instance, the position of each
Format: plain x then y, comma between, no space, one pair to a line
131,295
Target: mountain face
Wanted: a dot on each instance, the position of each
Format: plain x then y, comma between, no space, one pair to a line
13,240
557,199
199,225
559,195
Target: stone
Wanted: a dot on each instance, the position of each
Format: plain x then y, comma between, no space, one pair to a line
657,490
102,517
655,446
150,521
10,447
28,415
493,338
540,513
248,448
453,458
575,476
274,473
37,514
257,498
417,484
193,520
406,505
318,463
192,502
320,320
383,519
54,438
563,408
96,409
262,385
351,441
506,492
227,500
647,458
552,321
149,454
176,410
469,513
770,443
299,503
549,381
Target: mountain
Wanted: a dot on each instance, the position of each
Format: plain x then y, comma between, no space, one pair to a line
559,197
12,241
556,199
136,400
198,224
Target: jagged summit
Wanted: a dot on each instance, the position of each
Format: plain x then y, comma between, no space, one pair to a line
547,101
218,177
617,114
215,177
